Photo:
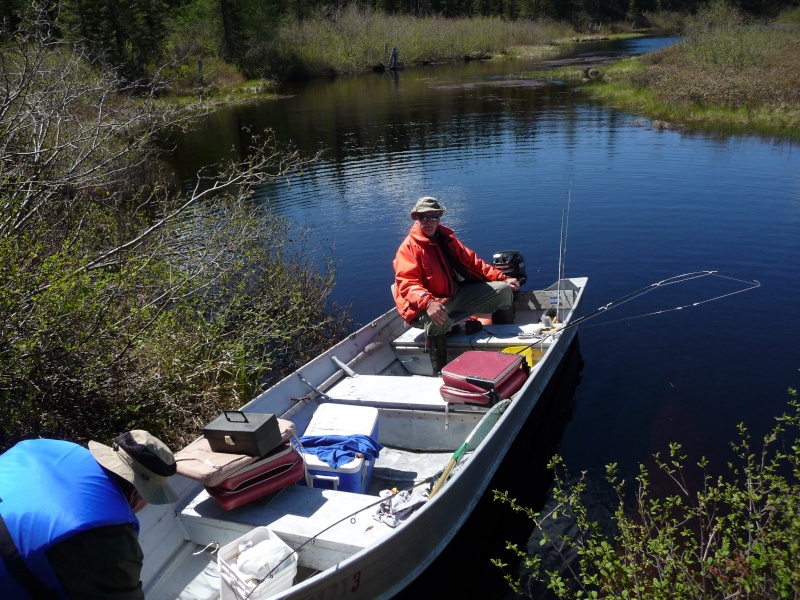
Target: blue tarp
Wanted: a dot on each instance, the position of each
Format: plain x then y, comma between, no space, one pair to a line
338,450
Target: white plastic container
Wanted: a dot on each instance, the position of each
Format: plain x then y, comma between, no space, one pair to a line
342,419
234,586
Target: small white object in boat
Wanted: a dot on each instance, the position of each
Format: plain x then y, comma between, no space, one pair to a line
260,560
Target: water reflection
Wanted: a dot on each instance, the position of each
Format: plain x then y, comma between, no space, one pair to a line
629,46
392,115
357,119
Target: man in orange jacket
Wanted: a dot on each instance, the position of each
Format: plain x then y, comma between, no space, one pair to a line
436,276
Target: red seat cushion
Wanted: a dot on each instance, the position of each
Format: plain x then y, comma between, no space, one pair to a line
280,468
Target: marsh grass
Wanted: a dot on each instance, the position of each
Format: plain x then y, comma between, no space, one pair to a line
728,72
356,40
789,16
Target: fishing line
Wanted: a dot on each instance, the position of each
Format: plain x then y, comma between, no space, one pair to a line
751,284
351,517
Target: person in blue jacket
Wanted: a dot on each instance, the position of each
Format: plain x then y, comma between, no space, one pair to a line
67,515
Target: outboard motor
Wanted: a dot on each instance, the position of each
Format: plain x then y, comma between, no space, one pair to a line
512,263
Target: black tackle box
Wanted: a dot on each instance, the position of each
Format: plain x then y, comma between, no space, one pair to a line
237,432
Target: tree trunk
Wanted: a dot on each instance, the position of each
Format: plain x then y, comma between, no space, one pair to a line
229,51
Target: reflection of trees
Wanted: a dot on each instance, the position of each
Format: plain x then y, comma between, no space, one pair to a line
370,116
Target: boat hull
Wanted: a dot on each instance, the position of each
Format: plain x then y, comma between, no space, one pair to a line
380,562
383,570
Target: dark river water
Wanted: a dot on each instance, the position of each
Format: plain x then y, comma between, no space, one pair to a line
509,160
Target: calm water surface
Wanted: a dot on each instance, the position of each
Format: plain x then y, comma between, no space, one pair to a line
504,155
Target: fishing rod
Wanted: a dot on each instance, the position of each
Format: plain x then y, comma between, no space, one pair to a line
562,244
562,251
750,285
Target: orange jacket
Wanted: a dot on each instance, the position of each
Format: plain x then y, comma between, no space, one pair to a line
422,273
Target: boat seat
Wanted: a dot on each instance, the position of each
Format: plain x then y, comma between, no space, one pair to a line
491,337
409,347
295,514
414,392
386,391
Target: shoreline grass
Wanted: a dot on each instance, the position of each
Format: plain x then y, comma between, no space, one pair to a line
357,40
728,73
783,121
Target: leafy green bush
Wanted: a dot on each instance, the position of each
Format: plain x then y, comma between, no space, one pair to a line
719,35
737,536
127,303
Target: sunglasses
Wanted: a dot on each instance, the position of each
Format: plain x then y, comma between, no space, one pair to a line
428,217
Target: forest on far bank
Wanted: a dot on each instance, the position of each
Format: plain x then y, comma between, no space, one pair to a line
160,40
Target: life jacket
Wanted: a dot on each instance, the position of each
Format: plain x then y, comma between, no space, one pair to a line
49,491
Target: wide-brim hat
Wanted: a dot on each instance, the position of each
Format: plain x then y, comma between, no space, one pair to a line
427,204
141,459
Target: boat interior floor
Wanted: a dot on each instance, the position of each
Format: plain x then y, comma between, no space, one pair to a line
299,512
402,469
340,523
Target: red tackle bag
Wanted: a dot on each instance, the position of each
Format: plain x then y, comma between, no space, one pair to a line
481,377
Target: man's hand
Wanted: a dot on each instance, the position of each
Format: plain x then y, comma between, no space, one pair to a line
514,283
437,312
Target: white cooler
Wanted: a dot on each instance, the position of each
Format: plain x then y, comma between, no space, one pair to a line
342,419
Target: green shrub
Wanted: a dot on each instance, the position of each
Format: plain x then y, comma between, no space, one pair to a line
728,73
127,303
720,36
735,536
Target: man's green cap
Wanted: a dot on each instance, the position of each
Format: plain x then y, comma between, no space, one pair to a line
427,204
